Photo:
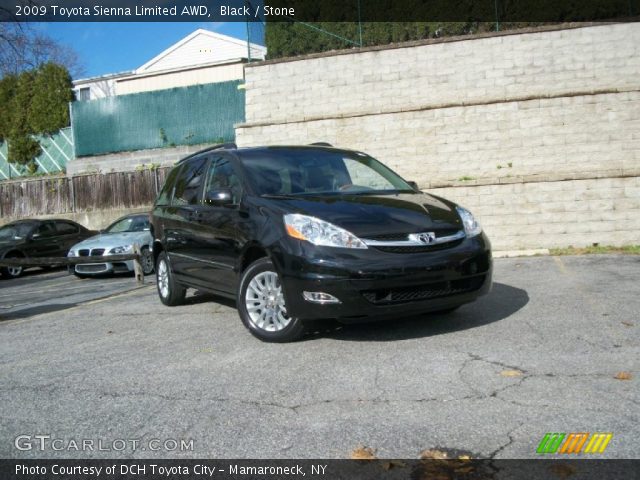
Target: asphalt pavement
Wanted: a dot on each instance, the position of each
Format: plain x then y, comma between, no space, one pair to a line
539,354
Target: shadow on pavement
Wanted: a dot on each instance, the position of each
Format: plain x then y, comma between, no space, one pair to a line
502,302
31,311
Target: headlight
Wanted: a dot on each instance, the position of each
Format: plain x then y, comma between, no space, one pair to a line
319,232
471,225
121,250
72,253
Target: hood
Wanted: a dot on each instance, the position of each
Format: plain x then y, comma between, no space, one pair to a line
369,216
109,240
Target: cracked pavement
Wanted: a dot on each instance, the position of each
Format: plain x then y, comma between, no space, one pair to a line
539,354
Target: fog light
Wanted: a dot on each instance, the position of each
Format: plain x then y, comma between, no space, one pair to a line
319,297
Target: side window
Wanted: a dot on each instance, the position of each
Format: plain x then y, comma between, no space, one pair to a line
222,176
46,230
66,228
166,194
189,181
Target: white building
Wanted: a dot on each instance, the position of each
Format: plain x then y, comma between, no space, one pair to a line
200,57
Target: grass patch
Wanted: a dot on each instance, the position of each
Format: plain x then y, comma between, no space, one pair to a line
628,250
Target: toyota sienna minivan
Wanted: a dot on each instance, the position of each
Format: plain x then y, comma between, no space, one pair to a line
298,234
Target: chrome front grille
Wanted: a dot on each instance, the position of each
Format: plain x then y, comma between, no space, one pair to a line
411,243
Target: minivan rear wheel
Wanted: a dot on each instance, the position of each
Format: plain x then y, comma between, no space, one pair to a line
170,292
12,272
262,307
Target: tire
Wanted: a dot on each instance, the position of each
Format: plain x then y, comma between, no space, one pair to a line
12,272
260,283
146,260
169,291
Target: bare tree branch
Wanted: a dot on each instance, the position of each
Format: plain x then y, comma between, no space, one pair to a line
22,47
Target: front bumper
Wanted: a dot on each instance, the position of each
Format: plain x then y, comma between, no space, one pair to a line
372,284
102,268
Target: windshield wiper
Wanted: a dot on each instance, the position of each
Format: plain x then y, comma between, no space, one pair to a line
277,195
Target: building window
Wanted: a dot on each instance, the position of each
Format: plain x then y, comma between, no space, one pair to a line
84,94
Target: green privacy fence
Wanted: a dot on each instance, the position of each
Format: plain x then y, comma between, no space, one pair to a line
163,118
57,150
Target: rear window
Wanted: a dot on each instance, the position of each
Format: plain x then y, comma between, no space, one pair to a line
66,228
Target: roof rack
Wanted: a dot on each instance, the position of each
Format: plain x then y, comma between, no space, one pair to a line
219,146
321,144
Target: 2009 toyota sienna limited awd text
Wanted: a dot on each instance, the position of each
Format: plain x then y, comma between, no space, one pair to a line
297,234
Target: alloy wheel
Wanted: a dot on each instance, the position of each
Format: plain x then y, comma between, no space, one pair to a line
163,278
265,304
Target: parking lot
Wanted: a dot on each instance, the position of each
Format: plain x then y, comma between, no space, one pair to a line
539,354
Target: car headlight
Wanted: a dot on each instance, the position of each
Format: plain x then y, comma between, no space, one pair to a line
72,253
471,225
121,250
319,232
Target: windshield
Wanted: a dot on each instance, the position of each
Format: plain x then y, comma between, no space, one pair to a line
16,231
129,224
318,172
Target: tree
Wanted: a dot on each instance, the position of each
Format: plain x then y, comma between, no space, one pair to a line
23,148
8,89
34,102
52,92
22,47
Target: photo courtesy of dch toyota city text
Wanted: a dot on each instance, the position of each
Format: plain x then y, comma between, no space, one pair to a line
356,240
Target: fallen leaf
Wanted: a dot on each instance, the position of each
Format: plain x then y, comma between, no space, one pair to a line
393,464
562,470
433,454
363,453
511,373
623,376
627,324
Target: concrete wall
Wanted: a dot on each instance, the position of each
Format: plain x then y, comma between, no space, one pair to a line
533,117
127,161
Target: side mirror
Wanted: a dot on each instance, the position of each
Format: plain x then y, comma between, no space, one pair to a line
413,185
221,198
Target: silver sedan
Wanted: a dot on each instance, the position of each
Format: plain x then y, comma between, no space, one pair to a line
117,239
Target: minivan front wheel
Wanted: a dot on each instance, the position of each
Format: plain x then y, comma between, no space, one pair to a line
262,306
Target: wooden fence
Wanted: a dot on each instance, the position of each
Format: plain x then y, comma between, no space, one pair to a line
82,193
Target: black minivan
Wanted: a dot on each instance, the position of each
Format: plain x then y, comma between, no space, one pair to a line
297,234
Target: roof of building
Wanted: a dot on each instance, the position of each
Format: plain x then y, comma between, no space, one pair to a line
201,47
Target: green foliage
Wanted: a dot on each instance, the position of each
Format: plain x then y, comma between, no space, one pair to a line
22,146
285,39
52,92
596,249
163,136
8,88
23,149
34,102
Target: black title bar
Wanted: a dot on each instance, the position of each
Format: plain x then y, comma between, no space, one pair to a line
559,467
535,11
